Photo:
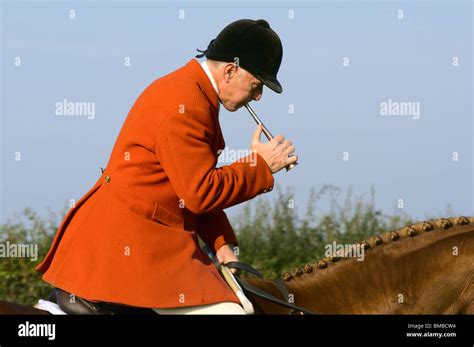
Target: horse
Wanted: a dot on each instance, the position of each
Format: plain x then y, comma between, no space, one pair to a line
424,268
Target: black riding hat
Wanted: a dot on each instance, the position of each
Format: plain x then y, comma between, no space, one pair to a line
257,47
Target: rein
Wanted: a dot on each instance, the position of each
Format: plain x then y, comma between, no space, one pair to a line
247,287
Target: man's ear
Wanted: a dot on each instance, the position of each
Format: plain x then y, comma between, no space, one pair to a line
230,71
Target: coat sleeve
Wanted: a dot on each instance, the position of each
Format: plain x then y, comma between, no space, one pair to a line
184,149
215,230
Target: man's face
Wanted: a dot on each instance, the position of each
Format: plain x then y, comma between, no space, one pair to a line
238,87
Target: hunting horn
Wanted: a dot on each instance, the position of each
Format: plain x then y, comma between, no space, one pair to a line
267,132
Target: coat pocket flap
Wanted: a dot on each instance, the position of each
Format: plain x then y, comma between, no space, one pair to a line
167,217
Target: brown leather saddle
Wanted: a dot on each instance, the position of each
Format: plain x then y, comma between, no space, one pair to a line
74,305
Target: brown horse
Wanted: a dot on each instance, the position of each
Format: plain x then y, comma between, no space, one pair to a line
426,268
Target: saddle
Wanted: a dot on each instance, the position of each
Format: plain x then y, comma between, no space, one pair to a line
74,305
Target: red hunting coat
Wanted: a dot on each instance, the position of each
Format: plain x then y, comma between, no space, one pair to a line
132,239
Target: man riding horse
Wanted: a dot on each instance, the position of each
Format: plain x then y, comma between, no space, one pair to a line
132,240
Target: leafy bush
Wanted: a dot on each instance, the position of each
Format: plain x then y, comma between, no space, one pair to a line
19,282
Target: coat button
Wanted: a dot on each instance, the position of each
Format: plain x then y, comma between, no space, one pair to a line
107,179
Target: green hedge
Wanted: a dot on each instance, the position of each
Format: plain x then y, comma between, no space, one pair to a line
19,282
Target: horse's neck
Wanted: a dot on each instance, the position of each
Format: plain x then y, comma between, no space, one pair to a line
427,273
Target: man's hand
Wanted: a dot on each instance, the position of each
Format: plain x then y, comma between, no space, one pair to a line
226,254
275,152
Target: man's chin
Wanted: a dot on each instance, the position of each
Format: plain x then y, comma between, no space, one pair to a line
232,108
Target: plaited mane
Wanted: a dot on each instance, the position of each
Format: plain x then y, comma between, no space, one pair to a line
436,225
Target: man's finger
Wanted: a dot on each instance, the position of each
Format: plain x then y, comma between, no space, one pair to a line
257,135
292,159
279,139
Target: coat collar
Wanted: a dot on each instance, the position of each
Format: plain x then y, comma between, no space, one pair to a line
204,82
208,72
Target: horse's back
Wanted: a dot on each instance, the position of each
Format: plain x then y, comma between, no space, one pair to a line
11,308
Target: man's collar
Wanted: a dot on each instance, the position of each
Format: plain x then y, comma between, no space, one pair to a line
204,81
209,74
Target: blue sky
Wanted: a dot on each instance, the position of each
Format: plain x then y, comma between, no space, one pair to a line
336,107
